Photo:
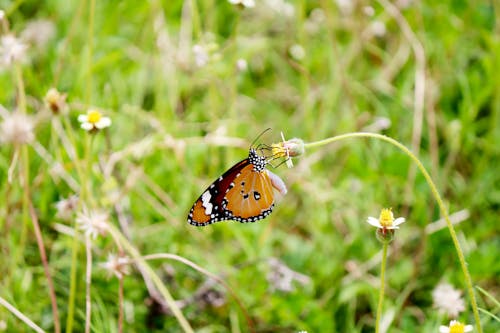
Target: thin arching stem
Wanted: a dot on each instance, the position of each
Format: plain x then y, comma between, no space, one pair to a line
435,193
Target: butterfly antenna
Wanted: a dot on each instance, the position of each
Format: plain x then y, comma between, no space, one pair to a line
259,136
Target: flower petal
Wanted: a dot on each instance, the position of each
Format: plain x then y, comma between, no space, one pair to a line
468,328
103,123
444,329
83,118
87,126
398,221
374,222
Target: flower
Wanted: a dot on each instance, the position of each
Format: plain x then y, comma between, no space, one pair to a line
448,299
386,220
93,223
39,32
66,207
287,148
297,52
93,120
241,65
11,50
117,265
243,3
55,101
281,277
281,7
378,28
455,327
17,128
205,53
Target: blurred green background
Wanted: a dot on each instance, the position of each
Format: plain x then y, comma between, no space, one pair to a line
190,84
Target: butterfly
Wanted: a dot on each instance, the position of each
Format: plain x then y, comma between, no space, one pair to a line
244,193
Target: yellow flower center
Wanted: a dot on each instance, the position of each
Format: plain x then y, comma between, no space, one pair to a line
94,116
278,150
457,328
386,217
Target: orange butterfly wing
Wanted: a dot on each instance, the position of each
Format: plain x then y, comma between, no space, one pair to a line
251,198
244,193
208,208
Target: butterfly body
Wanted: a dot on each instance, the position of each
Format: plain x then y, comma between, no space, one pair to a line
244,193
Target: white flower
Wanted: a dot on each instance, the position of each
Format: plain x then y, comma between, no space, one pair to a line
346,6
386,220
201,56
11,50
93,120
39,32
17,128
117,265
368,10
455,327
66,207
448,299
297,52
281,7
241,65
378,28
2,15
55,101
244,3
93,223
281,277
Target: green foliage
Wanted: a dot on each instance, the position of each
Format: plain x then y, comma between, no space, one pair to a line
177,125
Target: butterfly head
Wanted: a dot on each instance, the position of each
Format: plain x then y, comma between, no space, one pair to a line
258,161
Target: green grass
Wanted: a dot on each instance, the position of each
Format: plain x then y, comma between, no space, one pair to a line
177,126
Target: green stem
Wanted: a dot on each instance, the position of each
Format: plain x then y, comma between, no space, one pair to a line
442,208
120,239
72,285
382,287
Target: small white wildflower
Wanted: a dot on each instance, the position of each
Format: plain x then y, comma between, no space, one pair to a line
117,265
369,11
378,28
386,220
346,6
201,56
455,327
297,52
93,223
241,65
281,7
380,124
93,120
204,53
11,50
66,207
281,277
17,128
39,32
448,300
55,101
243,3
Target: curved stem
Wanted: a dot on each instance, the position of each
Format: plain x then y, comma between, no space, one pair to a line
382,287
120,239
436,195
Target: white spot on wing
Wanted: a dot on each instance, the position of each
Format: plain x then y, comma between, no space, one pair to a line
205,202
